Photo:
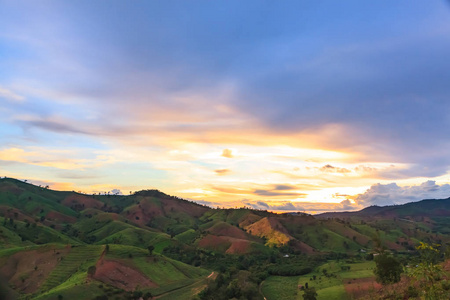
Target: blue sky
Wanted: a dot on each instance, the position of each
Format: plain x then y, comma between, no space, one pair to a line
343,104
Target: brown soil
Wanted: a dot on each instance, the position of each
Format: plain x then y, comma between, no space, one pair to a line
213,242
301,246
228,230
108,216
13,189
9,212
81,202
249,219
225,244
276,225
360,288
268,227
392,245
147,210
59,217
172,206
143,212
446,265
239,247
19,269
121,276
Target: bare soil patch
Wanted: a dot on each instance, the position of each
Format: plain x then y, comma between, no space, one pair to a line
60,218
120,275
228,230
360,288
81,202
27,270
239,247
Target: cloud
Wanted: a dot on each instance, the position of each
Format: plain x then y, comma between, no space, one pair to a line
309,207
260,203
293,74
332,169
222,172
227,153
287,206
272,193
347,205
54,126
284,187
390,194
59,159
208,203
116,192
263,191
10,95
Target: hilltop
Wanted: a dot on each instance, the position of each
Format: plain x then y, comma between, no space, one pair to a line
60,243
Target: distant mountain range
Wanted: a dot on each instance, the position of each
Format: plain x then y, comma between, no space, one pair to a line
428,208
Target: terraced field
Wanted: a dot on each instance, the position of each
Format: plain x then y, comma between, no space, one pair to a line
71,263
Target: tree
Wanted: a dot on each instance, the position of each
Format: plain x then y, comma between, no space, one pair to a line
388,269
428,272
310,294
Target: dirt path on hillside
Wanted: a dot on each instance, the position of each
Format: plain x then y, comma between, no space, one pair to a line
260,290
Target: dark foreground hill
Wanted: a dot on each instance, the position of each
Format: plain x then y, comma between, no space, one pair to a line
57,244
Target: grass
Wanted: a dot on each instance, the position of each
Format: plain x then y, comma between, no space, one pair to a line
359,270
74,290
34,198
71,264
9,238
188,236
321,238
167,273
159,270
328,288
280,287
38,234
186,292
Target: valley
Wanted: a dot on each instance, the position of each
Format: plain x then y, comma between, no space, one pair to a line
149,245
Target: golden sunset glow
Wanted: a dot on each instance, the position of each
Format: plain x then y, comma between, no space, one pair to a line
295,118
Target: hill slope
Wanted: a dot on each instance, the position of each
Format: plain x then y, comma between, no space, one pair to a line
170,244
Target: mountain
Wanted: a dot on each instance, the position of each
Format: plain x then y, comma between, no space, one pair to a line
65,244
424,208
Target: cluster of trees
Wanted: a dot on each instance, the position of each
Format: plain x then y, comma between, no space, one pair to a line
424,276
233,284
289,270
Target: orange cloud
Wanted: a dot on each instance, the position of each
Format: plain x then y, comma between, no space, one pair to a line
227,153
222,172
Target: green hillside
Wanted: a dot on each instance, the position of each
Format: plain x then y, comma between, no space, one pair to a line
150,243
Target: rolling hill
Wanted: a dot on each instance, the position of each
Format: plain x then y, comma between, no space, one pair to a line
68,244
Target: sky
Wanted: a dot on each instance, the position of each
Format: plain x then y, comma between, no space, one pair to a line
281,105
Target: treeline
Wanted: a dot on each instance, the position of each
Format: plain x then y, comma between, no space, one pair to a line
289,270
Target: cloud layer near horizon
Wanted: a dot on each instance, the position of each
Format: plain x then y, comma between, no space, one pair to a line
227,101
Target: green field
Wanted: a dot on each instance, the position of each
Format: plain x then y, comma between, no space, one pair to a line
328,288
78,260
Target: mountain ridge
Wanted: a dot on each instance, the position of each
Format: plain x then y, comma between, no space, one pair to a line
150,230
